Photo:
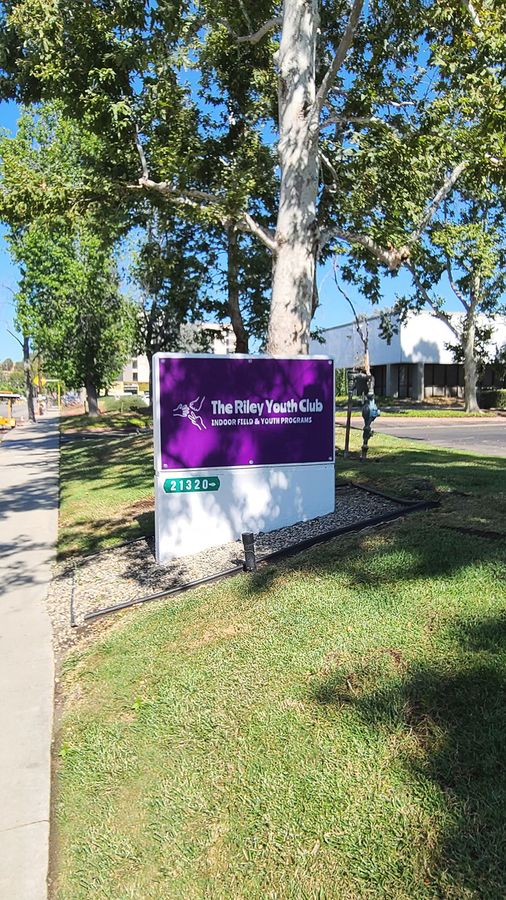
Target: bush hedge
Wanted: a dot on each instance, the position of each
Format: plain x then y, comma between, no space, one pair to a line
127,403
492,398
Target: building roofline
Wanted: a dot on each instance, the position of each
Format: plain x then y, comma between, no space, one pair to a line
347,324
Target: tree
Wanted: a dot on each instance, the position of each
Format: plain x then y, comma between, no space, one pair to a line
470,249
132,79
62,227
12,377
314,76
70,304
453,136
168,273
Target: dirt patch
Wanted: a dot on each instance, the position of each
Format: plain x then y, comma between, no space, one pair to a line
216,633
140,506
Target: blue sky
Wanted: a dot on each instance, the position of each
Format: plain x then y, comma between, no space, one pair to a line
333,308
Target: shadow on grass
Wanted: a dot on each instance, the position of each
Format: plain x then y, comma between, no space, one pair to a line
84,539
415,550
395,463
453,717
106,485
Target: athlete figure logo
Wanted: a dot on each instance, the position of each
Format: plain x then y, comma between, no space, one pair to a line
190,410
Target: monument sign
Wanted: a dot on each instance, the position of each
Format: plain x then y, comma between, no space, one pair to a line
242,443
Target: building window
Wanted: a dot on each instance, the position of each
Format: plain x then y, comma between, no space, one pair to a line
404,380
135,376
134,364
380,379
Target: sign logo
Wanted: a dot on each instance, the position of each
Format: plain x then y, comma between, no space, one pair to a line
189,411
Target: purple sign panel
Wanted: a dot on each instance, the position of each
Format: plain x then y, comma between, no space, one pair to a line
220,412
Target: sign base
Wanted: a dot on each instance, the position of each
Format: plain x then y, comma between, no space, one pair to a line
190,519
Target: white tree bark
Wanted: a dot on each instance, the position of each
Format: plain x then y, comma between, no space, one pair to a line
469,349
296,238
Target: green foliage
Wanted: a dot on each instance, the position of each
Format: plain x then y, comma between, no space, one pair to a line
70,304
12,381
118,404
53,166
493,398
314,724
420,90
341,383
61,232
168,270
12,377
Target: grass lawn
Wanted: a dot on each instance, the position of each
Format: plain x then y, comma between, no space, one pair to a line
106,492
333,727
113,421
423,413
107,483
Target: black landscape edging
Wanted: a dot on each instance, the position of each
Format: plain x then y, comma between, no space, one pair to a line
403,501
285,552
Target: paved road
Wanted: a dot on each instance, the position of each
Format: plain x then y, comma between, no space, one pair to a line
28,526
485,436
19,409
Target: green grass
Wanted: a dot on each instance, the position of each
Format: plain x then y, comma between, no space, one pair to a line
420,413
107,483
337,721
106,492
330,727
113,421
401,465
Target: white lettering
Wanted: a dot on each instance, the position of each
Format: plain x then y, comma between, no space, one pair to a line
307,405
221,409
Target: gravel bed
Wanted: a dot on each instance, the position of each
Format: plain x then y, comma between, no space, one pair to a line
130,571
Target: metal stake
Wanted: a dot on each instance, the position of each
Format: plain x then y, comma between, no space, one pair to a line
250,562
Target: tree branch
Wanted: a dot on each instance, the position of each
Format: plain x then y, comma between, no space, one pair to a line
247,223
188,196
14,336
245,15
340,55
326,162
363,337
256,36
391,257
351,120
202,200
140,151
434,205
459,295
468,6
439,313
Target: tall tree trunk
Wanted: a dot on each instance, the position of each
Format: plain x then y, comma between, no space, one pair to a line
28,378
92,396
294,261
149,354
241,335
367,361
470,367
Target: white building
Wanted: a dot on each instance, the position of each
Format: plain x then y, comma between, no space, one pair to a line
134,378
416,363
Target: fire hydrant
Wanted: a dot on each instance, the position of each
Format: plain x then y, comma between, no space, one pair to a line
370,412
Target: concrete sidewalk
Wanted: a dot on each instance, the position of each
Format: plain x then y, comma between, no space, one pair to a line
29,458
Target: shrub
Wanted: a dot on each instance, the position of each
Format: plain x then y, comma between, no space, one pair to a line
122,404
493,398
341,384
